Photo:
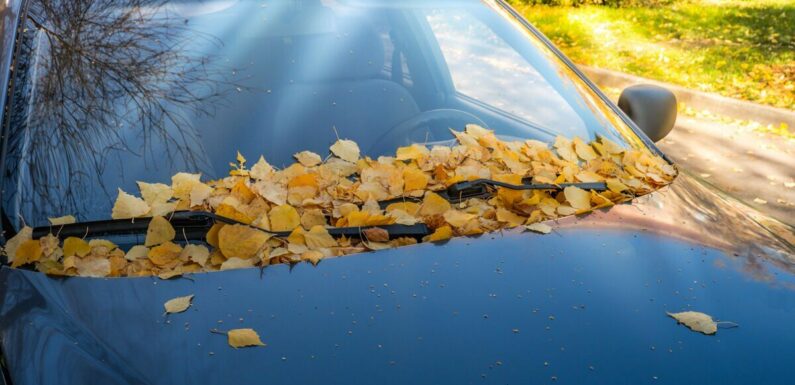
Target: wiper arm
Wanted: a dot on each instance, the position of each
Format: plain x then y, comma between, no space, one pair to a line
194,225
480,188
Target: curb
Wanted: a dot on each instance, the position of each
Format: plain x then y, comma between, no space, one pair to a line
698,100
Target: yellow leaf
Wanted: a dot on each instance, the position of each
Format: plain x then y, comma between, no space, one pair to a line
441,234
413,152
346,150
458,218
410,208
284,218
195,253
179,304
433,204
155,192
261,169
136,252
64,220
92,267
28,252
237,263
75,246
510,218
308,158
615,185
164,254
414,179
318,237
583,150
239,338
539,228
11,247
182,184
241,241
199,193
159,231
128,206
696,321
578,198
312,256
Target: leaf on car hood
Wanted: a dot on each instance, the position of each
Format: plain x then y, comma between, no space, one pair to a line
239,338
696,321
178,305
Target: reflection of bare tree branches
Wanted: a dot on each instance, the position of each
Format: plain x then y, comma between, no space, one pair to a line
92,68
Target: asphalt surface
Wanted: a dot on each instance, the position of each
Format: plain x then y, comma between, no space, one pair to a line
756,168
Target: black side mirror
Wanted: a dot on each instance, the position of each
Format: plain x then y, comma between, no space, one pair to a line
652,108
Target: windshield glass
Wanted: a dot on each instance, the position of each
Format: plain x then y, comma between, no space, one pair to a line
108,93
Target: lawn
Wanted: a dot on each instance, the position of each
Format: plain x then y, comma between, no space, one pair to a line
743,49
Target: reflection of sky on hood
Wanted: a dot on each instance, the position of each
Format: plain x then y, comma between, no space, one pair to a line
484,67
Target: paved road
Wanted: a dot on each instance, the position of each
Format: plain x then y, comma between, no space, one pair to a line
757,168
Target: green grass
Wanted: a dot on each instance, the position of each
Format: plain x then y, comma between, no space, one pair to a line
738,48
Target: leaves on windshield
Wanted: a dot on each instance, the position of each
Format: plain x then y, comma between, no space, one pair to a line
313,195
696,321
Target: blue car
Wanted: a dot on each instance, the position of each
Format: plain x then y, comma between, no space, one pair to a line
104,93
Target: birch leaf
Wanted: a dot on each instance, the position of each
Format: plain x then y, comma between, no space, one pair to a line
696,321
239,338
346,150
540,228
159,231
128,206
64,220
178,305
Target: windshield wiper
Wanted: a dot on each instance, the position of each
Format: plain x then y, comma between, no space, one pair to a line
482,188
194,225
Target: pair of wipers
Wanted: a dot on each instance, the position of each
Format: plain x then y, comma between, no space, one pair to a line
194,225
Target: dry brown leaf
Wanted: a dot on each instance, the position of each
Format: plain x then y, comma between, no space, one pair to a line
239,338
178,305
376,234
696,321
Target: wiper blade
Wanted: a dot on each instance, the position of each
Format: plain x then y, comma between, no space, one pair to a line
194,225
481,188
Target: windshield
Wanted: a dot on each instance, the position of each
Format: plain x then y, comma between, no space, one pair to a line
108,93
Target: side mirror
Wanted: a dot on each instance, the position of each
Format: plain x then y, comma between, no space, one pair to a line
652,108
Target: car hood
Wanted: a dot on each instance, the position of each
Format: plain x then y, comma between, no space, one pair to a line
584,304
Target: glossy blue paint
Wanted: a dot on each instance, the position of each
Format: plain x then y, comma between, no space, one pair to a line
585,304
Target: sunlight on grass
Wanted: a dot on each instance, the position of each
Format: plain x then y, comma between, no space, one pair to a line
741,49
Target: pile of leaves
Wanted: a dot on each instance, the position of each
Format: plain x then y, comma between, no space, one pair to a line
315,194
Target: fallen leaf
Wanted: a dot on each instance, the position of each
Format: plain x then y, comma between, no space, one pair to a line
28,252
376,234
64,220
308,158
159,231
539,228
441,234
760,201
577,197
696,321
128,206
12,245
164,254
179,304
241,241
239,338
155,192
318,237
136,252
75,246
346,150
237,263
93,267
284,218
